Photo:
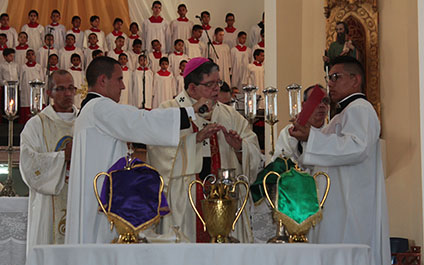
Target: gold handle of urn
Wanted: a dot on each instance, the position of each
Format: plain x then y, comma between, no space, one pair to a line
327,188
192,202
265,187
246,197
96,192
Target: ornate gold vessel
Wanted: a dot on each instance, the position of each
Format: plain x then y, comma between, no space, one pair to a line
220,206
292,216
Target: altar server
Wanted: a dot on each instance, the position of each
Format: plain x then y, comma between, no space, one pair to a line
46,144
230,36
143,73
180,28
222,139
101,133
34,30
222,57
22,48
206,18
43,53
78,75
111,37
176,57
66,52
78,33
12,35
240,57
193,46
164,86
349,149
57,30
95,23
126,95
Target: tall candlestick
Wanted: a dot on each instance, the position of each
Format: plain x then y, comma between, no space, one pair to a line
294,99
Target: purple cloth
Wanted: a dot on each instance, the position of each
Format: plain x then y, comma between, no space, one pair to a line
135,192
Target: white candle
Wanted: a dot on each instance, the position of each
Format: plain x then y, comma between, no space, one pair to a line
11,103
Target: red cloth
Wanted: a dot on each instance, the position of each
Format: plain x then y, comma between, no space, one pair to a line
76,68
24,115
116,33
142,68
74,30
3,47
182,19
311,103
217,43
118,51
193,40
240,48
4,28
95,47
230,30
95,30
54,68
125,68
157,55
30,64
33,25
206,27
178,53
164,73
69,48
157,19
54,24
23,47
134,37
257,63
261,44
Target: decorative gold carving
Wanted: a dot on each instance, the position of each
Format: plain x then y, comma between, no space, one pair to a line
362,19
62,223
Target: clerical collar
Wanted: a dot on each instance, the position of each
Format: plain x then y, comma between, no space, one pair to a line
347,100
90,96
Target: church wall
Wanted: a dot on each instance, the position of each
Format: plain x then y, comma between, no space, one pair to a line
300,43
400,116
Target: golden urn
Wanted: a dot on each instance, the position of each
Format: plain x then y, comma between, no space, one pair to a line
220,205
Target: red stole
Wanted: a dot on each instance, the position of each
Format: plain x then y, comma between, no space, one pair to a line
178,53
124,68
157,55
118,51
206,27
257,63
134,37
230,30
201,236
261,44
95,30
157,19
30,64
54,68
69,48
193,40
142,68
74,30
33,25
240,48
164,73
182,19
116,33
22,47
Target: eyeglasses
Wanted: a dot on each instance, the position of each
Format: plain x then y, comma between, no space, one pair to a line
211,84
334,77
62,88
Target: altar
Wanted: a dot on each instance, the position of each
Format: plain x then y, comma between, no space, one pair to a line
183,253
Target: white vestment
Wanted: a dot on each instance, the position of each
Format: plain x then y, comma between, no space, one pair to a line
58,31
180,83
115,55
138,88
28,73
254,36
230,38
9,71
204,37
79,37
100,37
88,54
194,49
126,94
256,77
101,133
154,62
174,62
43,168
12,37
164,88
156,31
355,210
65,57
180,29
20,54
239,62
35,36
110,40
78,77
42,55
224,61
132,59
178,165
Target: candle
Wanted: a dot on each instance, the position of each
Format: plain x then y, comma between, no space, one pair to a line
11,103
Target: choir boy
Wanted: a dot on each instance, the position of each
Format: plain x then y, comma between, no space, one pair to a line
66,52
176,57
223,51
97,53
206,18
31,70
9,69
92,46
57,30
43,52
156,28
119,44
126,94
78,76
111,37
193,46
3,45
12,36
95,23
34,30
179,79
135,35
79,35
181,27
230,36
155,56
134,53
164,87
53,63
22,48
240,58
256,72
142,72
261,44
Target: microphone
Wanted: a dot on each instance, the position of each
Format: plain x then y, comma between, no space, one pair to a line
197,16
50,29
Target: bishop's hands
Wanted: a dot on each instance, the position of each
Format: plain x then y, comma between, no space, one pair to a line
208,131
233,139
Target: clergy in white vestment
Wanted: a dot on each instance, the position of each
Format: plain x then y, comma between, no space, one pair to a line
101,133
156,28
348,147
221,139
240,59
46,144
181,27
222,57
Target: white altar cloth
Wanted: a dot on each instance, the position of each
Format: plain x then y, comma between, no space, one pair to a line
188,254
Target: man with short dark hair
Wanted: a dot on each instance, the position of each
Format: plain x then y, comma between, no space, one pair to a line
342,46
46,144
218,138
355,211
102,131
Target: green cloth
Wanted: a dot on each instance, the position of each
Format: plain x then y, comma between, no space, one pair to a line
337,48
280,166
297,195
